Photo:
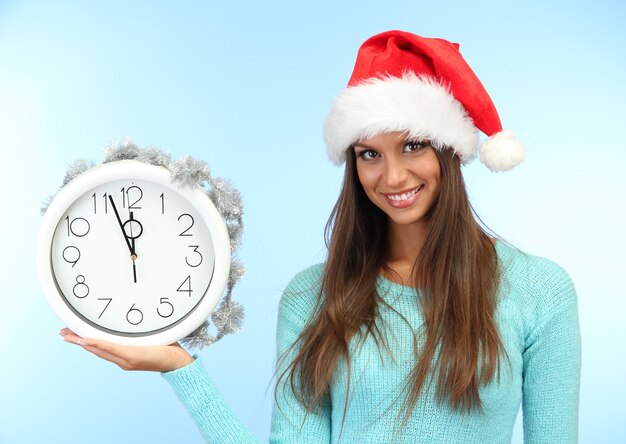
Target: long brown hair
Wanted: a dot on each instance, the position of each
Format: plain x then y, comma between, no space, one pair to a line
457,267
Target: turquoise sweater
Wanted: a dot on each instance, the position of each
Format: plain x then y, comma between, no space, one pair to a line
538,321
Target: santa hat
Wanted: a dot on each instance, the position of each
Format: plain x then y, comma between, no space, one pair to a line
423,86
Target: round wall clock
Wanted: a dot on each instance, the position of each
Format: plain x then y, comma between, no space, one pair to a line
126,255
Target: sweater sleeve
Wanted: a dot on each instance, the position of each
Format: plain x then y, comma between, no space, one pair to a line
552,360
291,423
213,416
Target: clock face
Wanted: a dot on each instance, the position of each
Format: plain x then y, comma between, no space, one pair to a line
133,257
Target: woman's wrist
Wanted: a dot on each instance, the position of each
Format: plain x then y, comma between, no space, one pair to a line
181,358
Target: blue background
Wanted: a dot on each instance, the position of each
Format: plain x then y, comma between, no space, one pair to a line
245,86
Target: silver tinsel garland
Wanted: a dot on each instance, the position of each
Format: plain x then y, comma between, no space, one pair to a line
188,172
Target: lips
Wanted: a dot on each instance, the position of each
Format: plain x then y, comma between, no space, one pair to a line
403,199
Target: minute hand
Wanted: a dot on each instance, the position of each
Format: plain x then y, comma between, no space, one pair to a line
119,221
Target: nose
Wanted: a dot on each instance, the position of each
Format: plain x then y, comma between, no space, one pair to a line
396,172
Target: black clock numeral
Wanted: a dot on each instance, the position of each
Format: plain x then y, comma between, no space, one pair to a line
132,195
162,203
186,282
95,203
184,233
198,259
80,290
106,306
135,193
134,316
71,255
78,226
170,309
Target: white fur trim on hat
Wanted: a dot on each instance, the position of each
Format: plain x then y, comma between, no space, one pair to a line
502,151
419,105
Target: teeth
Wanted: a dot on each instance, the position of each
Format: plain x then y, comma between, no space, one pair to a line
404,196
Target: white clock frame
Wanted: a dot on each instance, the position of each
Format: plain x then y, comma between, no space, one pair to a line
124,170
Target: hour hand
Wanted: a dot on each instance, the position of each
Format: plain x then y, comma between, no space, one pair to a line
131,221
133,252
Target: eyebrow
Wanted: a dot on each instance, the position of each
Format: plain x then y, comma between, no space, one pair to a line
400,142
363,145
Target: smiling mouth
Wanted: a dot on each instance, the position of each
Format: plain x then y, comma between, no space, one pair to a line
403,197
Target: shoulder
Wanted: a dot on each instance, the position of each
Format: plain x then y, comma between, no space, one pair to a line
535,272
301,294
306,281
541,286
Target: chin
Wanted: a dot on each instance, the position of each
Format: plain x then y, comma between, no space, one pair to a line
407,220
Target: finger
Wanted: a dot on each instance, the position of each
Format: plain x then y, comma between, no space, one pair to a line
66,331
123,352
127,357
105,346
120,362
73,338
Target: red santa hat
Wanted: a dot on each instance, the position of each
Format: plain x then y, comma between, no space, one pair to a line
423,86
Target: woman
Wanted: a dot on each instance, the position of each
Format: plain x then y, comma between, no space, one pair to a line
419,327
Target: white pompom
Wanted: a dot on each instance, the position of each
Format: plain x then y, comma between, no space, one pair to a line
502,151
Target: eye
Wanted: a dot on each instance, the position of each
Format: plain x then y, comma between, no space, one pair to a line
367,154
415,146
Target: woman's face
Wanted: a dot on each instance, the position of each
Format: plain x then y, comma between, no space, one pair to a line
400,176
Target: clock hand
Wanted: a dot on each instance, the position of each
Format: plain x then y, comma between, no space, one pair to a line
133,252
132,221
119,221
130,241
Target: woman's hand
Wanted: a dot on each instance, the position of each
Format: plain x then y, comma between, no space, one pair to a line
157,359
